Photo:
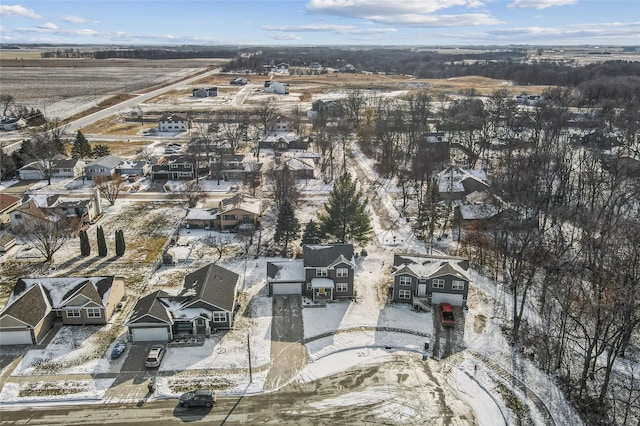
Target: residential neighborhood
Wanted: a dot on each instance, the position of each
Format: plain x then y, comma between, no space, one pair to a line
367,241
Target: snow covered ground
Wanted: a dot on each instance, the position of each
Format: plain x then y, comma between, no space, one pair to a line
360,337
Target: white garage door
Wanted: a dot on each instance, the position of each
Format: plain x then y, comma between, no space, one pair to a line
453,299
150,334
22,337
288,288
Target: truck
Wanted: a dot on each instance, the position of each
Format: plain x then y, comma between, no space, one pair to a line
446,315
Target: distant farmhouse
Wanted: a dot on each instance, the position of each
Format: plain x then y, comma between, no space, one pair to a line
205,92
170,122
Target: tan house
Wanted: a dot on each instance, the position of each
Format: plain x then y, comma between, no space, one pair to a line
231,214
8,203
35,304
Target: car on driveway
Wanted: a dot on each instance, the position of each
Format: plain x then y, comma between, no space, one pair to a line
198,398
446,315
156,353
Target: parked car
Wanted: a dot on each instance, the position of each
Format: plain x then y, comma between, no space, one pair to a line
446,315
198,398
156,353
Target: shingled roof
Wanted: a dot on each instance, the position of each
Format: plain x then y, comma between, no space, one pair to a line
323,255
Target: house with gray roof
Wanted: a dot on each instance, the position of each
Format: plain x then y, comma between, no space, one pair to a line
206,302
326,273
35,304
104,166
424,280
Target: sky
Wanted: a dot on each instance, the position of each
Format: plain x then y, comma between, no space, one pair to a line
322,22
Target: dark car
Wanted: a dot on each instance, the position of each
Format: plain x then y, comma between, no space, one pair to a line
198,398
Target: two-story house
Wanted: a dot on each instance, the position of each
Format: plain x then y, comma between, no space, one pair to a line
325,273
170,122
174,167
426,279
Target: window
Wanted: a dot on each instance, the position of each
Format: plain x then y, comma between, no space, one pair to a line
219,316
422,280
18,216
457,285
404,294
342,272
405,280
73,313
342,287
229,217
93,313
321,272
437,283
308,286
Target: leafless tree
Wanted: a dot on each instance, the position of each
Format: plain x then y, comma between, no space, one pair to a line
216,242
109,187
45,143
7,102
48,233
266,114
189,194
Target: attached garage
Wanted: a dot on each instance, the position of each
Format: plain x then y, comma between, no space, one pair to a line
150,334
20,337
453,299
286,288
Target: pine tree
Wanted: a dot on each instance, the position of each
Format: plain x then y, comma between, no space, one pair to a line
120,245
100,150
85,246
345,218
81,147
311,234
287,227
102,243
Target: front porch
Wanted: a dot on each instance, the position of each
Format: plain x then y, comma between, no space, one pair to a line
322,289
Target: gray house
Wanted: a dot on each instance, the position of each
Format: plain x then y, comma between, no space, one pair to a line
206,302
204,92
424,279
326,273
104,166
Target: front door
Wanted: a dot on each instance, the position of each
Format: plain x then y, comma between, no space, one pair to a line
422,290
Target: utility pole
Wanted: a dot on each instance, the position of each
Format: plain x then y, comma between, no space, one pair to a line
249,350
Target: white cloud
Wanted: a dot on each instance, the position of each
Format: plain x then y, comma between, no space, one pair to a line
340,29
74,19
366,8
285,37
540,4
438,20
17,10
48,26
415,13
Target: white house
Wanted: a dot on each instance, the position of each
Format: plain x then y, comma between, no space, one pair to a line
272,86
170,122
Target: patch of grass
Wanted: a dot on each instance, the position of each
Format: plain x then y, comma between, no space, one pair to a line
515,404
114,125
52,389
184,384
382,289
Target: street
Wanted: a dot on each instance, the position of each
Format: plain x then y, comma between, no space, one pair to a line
408,390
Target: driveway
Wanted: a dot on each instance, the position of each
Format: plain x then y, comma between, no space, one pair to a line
448,340
288,353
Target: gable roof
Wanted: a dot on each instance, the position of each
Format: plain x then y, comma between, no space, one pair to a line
109,161
60,289
150,305
285,270
31,307
428,266
323,255
212,284
452,178
7,201
171,117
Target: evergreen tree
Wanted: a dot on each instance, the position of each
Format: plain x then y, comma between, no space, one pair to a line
102,243
100,150
287,227
120,244
85,246
345,218
81,147
311,234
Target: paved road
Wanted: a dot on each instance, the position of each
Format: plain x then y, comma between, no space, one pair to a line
405,391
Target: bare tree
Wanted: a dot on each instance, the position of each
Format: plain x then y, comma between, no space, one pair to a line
48,233
216,242
189,194
45,143
109,187
266,115
7,102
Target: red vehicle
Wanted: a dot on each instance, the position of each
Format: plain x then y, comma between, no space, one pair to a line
446,315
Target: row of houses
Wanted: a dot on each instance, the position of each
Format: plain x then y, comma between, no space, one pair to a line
207,300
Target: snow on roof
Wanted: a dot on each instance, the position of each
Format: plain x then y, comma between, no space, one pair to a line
202,214
57,288
430,266
287,270
450,179
479,211
321,283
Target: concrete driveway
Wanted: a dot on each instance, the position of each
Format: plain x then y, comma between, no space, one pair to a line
288,354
